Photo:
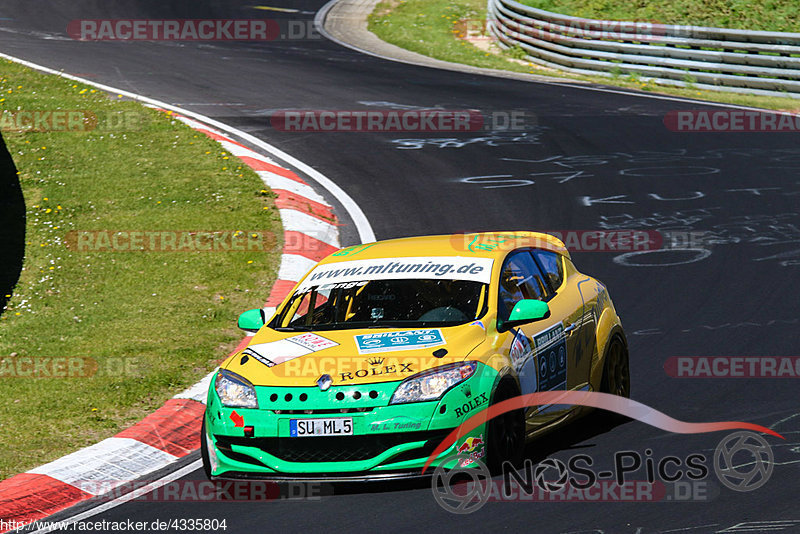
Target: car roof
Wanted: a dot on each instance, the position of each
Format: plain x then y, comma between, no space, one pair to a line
483,245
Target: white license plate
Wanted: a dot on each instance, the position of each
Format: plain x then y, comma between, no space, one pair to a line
310,428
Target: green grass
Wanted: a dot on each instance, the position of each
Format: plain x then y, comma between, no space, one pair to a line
769,15
430,27
155,322
436,28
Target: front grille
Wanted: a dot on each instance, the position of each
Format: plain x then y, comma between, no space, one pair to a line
337,448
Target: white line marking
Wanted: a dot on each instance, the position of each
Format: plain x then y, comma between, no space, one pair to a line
752,529
191,123
788,522
281,9
183,471
240,151
365,232
275,181
783,421
760,526
689,528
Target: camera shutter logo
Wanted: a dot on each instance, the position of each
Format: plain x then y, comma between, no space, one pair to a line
740,446
477,489
546,467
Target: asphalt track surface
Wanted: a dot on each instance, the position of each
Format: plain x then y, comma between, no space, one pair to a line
738,299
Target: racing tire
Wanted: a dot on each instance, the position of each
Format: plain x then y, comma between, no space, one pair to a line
505,433
204,449
616,370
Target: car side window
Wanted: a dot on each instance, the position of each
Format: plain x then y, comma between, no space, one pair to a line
552,265
520,279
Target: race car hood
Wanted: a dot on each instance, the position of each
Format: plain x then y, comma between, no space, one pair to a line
350,357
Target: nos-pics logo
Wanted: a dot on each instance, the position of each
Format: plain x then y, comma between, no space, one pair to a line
743,461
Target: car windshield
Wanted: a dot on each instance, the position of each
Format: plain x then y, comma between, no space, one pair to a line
406,303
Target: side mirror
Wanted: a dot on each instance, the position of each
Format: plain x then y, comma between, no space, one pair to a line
252,320
525,311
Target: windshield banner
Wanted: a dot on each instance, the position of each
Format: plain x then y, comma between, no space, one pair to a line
430,268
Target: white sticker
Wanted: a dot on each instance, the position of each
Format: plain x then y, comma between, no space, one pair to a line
428,268
312,342
278,352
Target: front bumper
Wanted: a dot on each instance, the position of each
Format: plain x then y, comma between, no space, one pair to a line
389,441
321,478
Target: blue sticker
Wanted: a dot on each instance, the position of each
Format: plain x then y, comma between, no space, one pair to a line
551,351
402,340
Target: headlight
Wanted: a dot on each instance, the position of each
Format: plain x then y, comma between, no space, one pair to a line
235,391
431,385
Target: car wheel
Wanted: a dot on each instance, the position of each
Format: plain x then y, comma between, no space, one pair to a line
506,432
616,371
204,449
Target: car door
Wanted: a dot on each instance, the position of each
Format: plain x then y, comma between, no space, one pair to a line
572,300
540,351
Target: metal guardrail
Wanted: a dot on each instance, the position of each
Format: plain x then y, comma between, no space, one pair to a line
755,62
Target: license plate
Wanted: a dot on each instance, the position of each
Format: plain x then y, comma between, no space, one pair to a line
310,428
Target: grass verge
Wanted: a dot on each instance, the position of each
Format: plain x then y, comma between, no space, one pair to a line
441,29
141,325
773,15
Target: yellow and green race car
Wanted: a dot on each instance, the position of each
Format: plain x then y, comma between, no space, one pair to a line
383,349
